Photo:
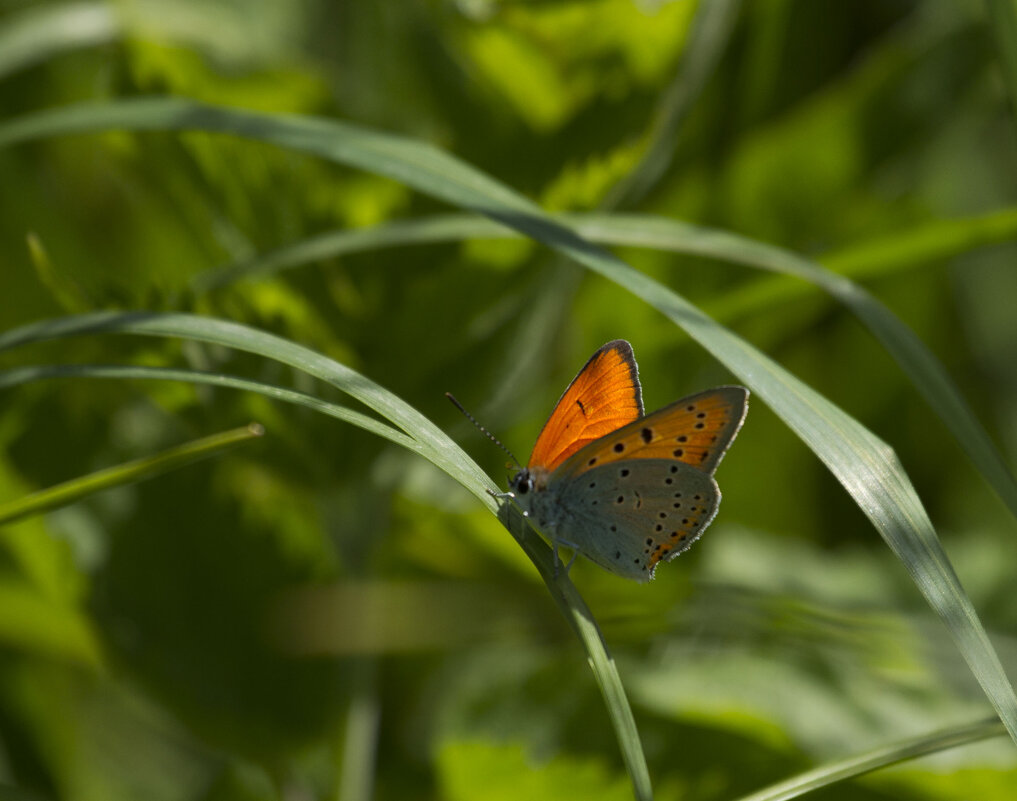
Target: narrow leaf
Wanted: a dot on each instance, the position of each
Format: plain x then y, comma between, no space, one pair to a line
22,375
834,772
70,491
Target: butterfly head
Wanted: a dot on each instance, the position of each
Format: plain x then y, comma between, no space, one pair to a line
527,486
522,483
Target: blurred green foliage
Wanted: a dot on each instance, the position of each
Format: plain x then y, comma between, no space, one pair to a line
323,615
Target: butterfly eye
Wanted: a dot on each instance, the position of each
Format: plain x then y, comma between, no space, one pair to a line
522,483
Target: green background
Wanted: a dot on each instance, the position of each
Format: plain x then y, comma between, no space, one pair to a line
321,614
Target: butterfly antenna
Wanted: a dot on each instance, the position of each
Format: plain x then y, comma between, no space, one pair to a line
482,430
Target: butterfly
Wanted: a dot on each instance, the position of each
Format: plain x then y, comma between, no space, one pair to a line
625,490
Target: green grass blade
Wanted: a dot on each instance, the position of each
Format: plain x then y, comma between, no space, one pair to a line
928,242
908,249
405,160
42,31
127,473
428,440
22,375
864,465
842,770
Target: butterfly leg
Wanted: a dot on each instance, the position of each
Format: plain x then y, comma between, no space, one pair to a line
568,567
555,542
549,530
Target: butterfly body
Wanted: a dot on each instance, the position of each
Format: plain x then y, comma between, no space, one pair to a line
627,490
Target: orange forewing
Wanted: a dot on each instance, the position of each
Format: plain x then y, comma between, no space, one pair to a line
604,397
696,430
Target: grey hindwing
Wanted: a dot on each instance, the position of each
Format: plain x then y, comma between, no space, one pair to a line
628,515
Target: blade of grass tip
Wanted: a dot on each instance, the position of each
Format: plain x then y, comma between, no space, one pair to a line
1002,18
42,31
26,374
863,464
903,751
63,289
704,45
128,473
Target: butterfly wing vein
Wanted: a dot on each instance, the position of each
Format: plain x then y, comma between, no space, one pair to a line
603,397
